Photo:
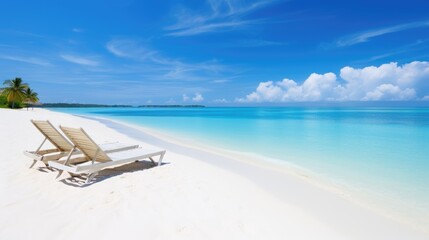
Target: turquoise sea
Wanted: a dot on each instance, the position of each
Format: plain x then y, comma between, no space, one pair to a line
381,154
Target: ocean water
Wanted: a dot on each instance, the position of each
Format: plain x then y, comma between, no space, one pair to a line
381,154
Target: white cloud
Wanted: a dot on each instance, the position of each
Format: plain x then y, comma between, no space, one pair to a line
77,30
208,28
165,67
266,92
317,87
80,60
221,15
365,36
128,48
386,82
389,92
198,97
30,60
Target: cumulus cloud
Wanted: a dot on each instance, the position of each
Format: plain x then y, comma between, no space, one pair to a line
388,82
198,97
390,92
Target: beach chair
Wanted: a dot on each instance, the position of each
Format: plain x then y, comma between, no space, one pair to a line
63,147
96,158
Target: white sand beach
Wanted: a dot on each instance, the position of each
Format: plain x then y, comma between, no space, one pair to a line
196,194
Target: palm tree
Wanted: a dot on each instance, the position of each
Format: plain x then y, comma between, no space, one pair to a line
14,90
30,96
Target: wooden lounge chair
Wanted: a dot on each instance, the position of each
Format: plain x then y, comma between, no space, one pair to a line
63,147
96,158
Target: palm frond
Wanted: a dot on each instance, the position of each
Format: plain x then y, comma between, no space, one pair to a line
14,90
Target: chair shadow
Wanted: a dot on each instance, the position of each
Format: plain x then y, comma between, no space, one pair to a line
45,169
78,181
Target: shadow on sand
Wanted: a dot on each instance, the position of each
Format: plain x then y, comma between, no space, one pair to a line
79,181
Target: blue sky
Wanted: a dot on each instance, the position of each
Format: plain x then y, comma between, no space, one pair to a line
217,52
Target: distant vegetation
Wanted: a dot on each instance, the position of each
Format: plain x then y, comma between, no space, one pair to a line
17,94
70,105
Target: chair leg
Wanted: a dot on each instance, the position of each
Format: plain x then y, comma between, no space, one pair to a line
59,173
48,167
90,177
34,162
153,162
160,159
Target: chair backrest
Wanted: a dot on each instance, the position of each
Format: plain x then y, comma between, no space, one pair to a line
85,144
53,135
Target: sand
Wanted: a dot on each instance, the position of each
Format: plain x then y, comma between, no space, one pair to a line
200,193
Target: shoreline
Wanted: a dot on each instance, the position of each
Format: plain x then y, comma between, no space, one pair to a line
192,197
258,161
